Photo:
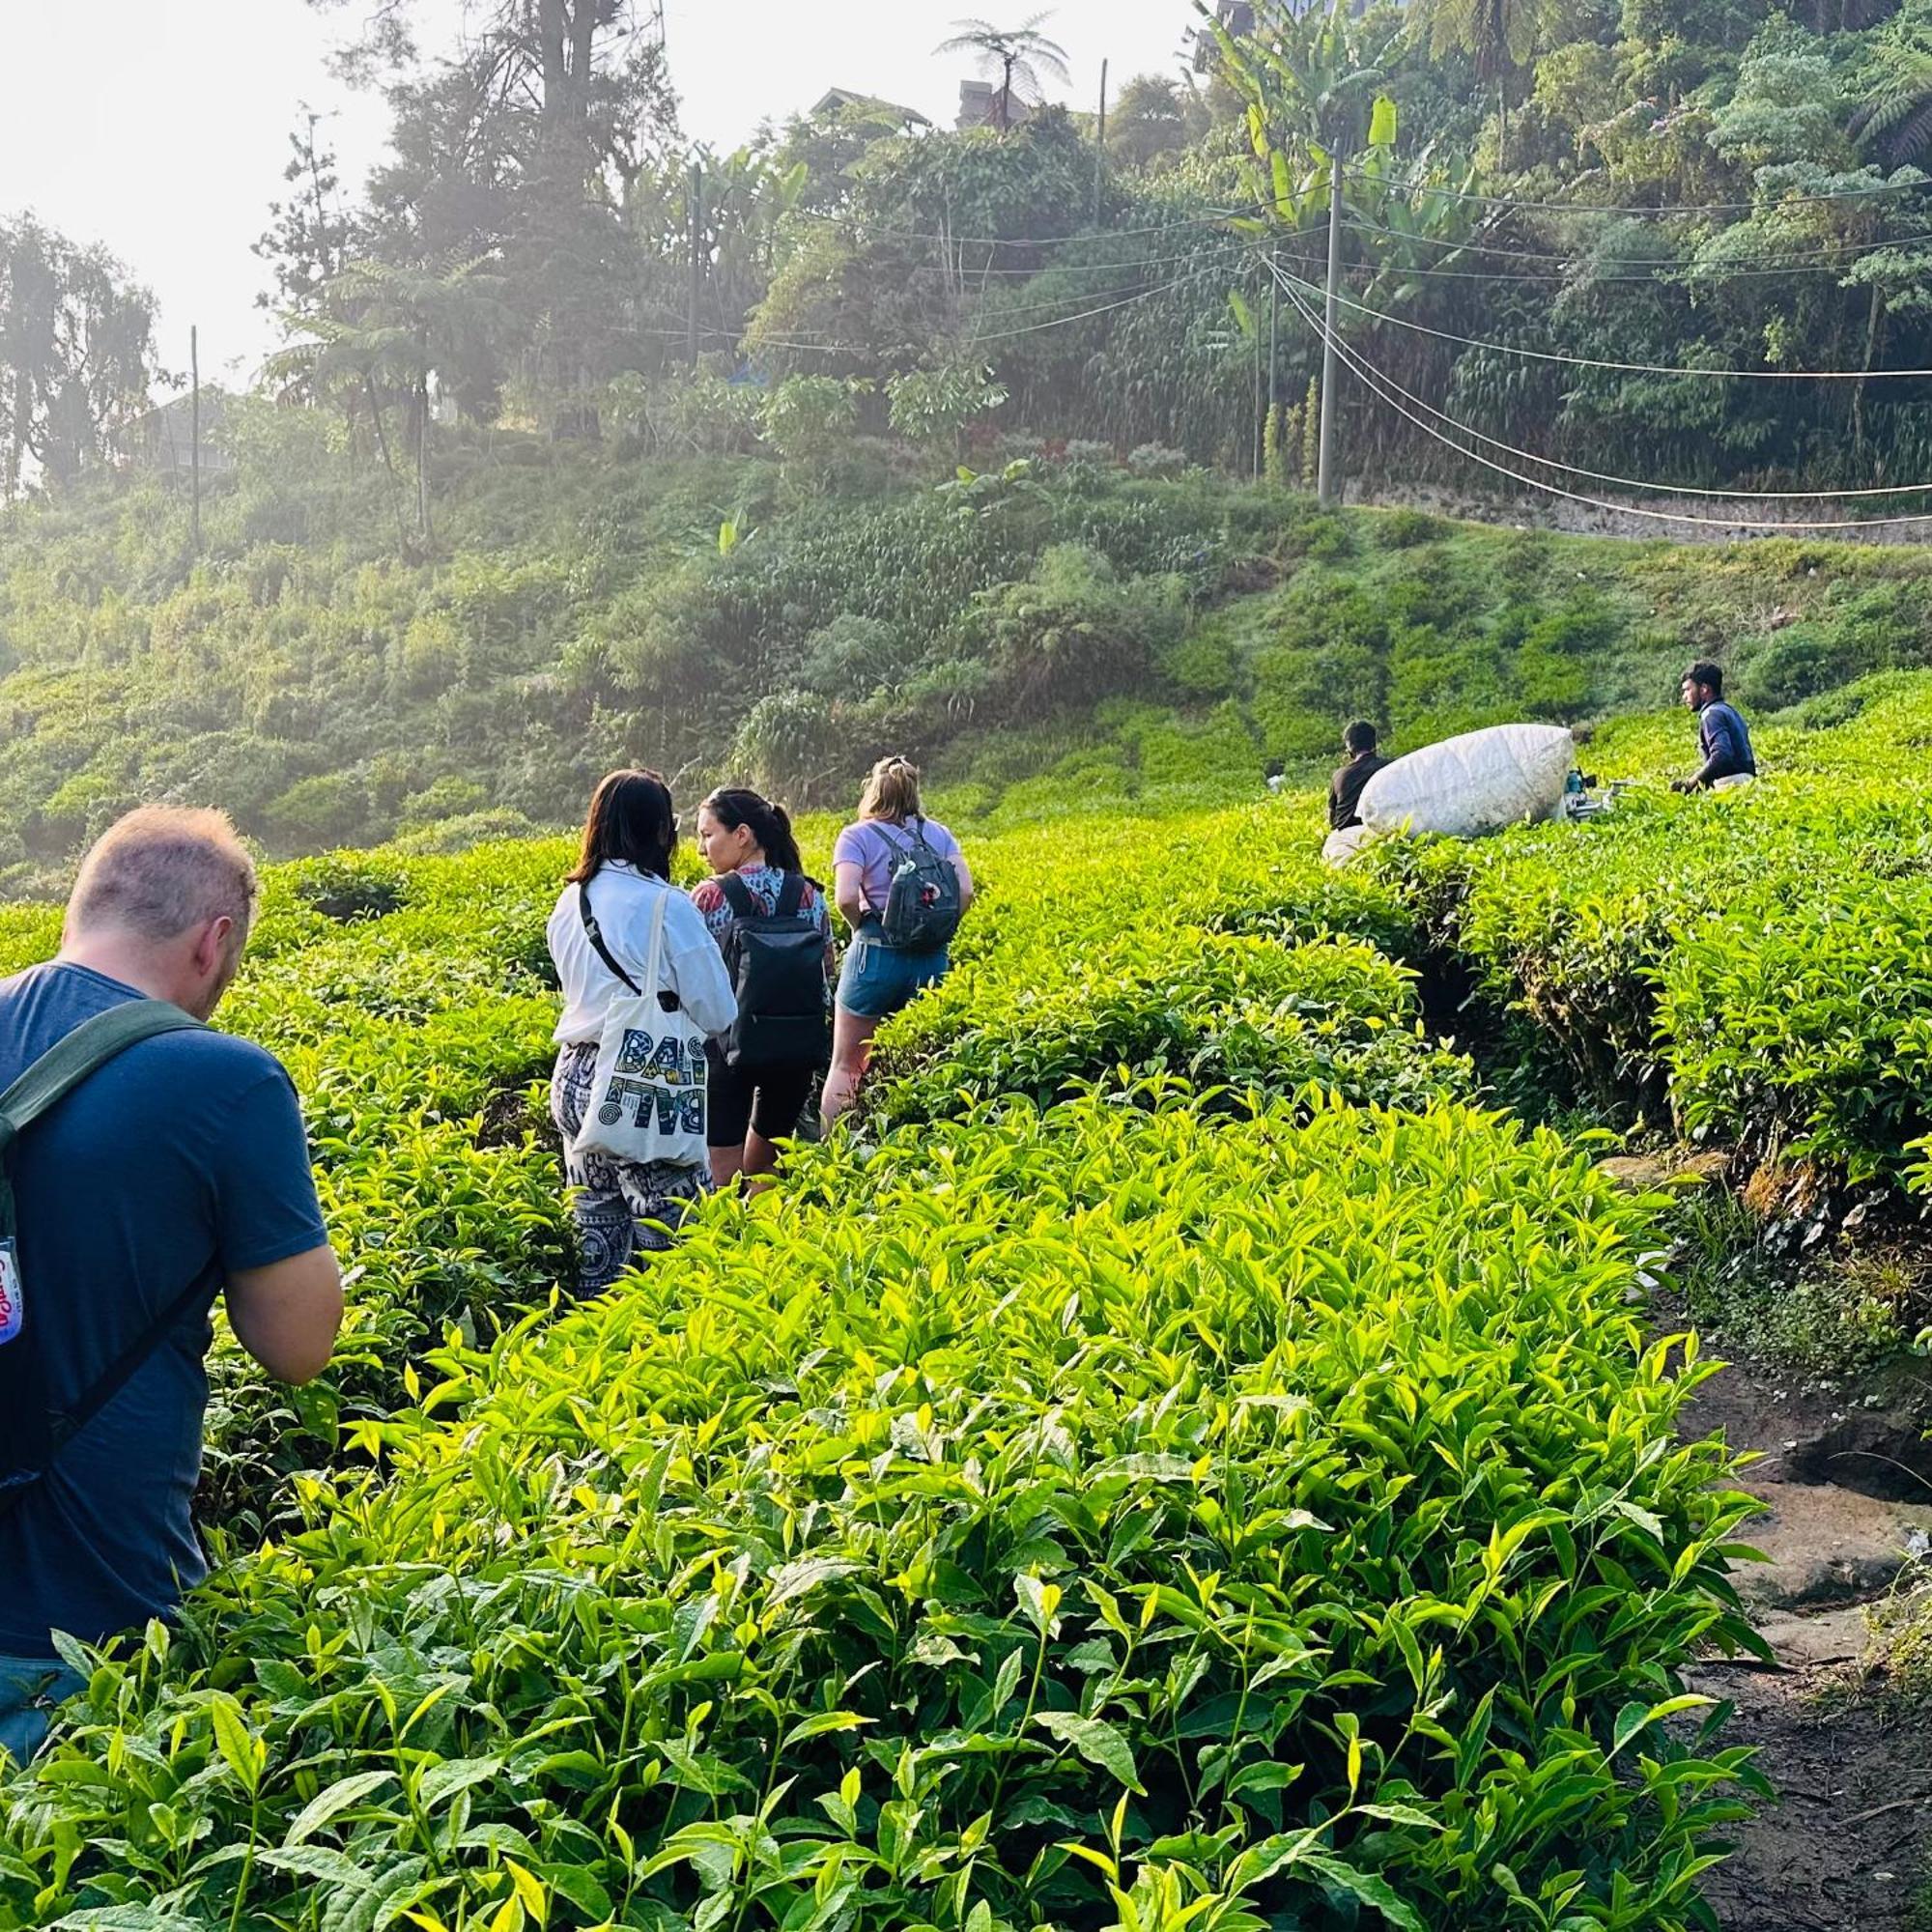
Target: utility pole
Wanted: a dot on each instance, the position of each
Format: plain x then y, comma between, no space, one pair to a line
1326,483
697,261
1100,145
1274,332
194,431
1255,329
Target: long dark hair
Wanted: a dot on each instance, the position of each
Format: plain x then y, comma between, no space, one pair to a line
631,818
733,806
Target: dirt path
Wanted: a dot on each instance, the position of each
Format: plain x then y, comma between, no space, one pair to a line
1848,1843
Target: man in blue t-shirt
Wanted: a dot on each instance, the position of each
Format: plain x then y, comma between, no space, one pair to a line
1723,741
176,1172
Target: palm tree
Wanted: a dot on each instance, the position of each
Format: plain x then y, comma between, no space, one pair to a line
1502,37
1895,117
377,337
1016,54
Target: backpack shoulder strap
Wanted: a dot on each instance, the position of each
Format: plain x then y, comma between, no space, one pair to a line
95,1042
594,933
791,896
738,896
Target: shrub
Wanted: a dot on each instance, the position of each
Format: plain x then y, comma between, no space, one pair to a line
449,797
1037,1485
1242,1021
329,810
1404,529
782,746
1075,631
345,886
1157,459
853,655
1794,664
465,831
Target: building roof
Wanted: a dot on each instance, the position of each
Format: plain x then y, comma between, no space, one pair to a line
835,99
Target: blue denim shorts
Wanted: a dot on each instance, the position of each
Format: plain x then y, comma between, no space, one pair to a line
879,980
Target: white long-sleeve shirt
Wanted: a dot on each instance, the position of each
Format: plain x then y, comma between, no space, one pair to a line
624,900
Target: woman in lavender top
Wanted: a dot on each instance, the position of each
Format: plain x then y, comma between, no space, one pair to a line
879,979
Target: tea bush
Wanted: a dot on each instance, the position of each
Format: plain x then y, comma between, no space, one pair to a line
1178,1462
1025,1515
1755,964
1240,1020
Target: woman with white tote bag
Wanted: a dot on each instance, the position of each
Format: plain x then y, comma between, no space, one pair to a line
645,987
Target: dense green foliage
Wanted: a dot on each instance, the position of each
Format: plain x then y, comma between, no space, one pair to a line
1008,1518
1644,190
1061,636
1175,1453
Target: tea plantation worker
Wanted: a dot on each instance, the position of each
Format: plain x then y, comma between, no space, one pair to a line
174,1171
1346,787
635,965
774,930
902,886
1722,737
1347,833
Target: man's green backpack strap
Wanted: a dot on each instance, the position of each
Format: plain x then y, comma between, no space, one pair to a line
32,1431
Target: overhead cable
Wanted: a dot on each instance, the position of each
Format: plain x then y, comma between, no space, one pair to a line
1630,368
1636,482
1371,378
1653,214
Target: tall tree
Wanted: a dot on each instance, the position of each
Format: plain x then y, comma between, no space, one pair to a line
1501,37
76,355
1016,54
1154,117
311,232
379,340
522,149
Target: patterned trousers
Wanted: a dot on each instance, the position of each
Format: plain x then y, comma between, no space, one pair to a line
623,1209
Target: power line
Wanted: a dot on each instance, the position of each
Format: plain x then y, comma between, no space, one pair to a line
1769,264
1653,214
1631,482
1634,368
1371,378
822,346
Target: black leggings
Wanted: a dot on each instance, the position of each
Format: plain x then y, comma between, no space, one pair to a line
767,1102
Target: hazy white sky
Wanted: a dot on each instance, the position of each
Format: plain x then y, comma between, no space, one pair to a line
161,127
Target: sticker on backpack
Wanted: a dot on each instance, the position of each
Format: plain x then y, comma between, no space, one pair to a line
13,1301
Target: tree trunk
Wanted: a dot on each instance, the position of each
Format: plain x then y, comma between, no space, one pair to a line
389,463
553,31
582,49
1873,320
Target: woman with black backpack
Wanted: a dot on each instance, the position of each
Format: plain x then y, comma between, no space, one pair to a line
902,885
771,923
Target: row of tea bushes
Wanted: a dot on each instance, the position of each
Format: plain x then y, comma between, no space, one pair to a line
1240,1020
1757,967
1080,1518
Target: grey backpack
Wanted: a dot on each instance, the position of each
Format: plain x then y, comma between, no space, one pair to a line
923,909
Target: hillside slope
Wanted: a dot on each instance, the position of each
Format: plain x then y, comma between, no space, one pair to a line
1054,636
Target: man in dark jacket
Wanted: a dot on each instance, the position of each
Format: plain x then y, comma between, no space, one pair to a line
1345,788
1722,741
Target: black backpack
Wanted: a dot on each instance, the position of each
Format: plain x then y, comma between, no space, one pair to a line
32,1431
923,909
777,963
